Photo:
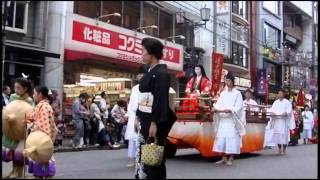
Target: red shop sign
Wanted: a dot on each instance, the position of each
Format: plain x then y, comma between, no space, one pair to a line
113,41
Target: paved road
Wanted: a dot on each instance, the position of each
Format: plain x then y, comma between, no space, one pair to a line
300,162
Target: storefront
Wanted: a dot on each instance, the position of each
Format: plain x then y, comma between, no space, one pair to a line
22,58
104,57
242,84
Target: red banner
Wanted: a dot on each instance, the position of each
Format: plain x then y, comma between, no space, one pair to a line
300,99
217,64
118,41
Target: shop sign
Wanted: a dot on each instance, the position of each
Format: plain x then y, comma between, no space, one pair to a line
223,17
313,87
238,81
82,34
261,89
217,64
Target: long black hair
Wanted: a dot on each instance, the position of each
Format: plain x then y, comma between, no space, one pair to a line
44,91
203,73
25,83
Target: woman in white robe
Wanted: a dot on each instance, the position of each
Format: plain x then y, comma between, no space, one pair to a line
281,122
308,123
229,119
250,104
131,133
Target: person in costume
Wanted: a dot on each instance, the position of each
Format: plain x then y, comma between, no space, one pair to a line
281,122
131,131
308,123
154,113
229,117
13,148
198,85
249,103
43,119
295,133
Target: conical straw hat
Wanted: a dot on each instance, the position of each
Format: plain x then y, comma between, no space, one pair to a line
13,117
39,147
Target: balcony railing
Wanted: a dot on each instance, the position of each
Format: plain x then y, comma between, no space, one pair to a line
273,54
239,34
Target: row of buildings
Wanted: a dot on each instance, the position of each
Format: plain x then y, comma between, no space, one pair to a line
76,46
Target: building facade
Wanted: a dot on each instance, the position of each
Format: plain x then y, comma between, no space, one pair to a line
269,28
92,46
25,47
297,24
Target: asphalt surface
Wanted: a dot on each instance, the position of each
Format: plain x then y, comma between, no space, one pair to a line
300,162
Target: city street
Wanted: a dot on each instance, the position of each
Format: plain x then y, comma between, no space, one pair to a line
300,162
85,78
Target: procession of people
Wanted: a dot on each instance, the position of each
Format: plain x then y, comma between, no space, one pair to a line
147,117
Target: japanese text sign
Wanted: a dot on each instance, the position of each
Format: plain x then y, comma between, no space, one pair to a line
217,64
114,42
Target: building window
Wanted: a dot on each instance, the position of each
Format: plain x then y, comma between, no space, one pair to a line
90,9
150,17
272,6
165,25
239,55
131,14
274,72
109,7
240,8
187,30
239,33
271,36
17,17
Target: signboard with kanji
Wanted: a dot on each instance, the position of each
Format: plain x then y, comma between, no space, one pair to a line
261,89
223,27
217,64
84,35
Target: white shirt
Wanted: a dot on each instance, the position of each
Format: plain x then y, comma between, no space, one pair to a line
104,105
282,123
6,99
308,119
229,100
118,113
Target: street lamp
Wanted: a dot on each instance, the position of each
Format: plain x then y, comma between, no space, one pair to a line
107,15
204,14
145,27
173,37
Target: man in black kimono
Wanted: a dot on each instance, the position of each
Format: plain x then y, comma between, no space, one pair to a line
156,117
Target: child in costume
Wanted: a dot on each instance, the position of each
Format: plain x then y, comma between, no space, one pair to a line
12,146
43,118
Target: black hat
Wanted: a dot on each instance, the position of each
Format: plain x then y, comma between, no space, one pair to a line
230,76
143,69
